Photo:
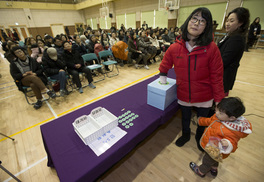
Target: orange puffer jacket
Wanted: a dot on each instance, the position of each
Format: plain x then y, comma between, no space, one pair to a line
218,129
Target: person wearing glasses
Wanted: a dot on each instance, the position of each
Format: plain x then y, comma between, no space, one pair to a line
198,66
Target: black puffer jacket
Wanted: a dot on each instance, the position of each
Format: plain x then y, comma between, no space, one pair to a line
50,66
72,58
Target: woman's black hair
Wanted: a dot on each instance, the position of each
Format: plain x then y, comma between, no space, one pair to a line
243,17
207,36
4,47
231,106
38,36
63,35
254,22
16,48
64,43
40,41
132,35
151,33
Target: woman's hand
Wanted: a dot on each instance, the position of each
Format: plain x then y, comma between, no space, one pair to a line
163,79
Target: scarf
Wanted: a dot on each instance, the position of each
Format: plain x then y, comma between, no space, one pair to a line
23,66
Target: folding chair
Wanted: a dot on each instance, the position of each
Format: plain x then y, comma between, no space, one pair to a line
69,85
28,94
89,58
109,62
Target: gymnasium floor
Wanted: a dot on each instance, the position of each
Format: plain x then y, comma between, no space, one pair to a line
156,158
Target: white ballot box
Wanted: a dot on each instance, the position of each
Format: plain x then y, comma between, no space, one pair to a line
92,126
161,96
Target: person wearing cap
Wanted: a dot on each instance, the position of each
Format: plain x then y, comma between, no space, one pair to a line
54,67
26,71
75,65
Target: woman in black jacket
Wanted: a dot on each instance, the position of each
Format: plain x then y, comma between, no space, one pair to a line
26,71
134,52
232,45
75,65
254,32
54,67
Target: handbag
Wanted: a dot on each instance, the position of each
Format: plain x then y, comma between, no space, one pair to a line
56,86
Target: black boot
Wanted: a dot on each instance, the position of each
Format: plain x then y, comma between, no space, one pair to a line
183,139
198,135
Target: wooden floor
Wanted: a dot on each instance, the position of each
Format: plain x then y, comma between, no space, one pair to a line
156,158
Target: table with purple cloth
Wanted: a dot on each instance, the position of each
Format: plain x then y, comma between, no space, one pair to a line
75,161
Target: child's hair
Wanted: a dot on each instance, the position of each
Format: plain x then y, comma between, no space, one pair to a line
232,106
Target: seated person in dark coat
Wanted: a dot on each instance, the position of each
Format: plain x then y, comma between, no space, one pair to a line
26,71
75,64
58,45
54,67
78,45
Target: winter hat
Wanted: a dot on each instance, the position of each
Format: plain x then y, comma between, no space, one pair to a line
16,48
52,52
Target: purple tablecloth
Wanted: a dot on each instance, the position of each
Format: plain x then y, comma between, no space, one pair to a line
74,161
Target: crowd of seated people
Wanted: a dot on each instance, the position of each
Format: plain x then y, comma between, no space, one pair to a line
55,57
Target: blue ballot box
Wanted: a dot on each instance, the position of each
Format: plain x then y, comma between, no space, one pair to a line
161,96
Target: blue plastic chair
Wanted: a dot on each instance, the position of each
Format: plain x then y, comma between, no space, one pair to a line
110,61
89,58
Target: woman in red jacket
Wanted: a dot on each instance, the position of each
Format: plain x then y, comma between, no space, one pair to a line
199,70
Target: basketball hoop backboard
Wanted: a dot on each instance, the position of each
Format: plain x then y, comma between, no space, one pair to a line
166,5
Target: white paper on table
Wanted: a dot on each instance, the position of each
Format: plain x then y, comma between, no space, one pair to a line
103,143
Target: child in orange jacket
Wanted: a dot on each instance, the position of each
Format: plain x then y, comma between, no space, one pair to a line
228,126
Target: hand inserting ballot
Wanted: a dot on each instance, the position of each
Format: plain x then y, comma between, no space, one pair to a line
163,80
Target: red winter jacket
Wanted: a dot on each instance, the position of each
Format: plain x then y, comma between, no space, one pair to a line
199,73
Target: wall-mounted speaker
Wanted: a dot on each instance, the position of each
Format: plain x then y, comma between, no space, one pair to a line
110,15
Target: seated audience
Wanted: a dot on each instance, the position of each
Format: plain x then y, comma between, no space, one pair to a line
75,65
38,37
113,39
37,52
58,45
78,45
92,43
41,44
8,53
154,42
105,41
26,71
134,52
54,67
84,41
30,42
48,41
127,34
172,35
121,35
145,46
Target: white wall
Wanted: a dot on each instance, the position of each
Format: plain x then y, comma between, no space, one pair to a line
40,18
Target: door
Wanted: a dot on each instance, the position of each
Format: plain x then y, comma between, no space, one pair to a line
24,34
57,29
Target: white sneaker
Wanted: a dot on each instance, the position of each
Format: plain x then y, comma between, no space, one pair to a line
146,67
136,66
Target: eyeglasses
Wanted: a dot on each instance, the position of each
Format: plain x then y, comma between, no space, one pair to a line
201,22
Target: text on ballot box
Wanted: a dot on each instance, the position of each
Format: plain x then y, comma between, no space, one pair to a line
162,95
